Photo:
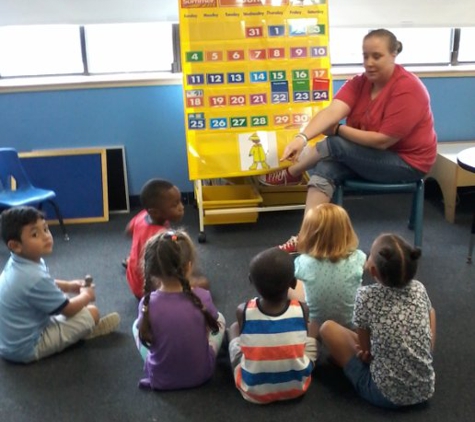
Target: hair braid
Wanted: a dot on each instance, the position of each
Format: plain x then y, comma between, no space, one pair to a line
148,264
212,323
145,328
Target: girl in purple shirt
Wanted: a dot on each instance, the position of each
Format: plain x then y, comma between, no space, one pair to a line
178,331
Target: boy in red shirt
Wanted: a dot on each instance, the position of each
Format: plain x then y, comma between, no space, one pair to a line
162,205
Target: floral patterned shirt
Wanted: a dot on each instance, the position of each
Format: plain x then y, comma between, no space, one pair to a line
399,325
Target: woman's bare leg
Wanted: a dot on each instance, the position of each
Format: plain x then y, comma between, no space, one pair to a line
315,197
308,158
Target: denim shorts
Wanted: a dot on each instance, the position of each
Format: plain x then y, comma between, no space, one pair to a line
342,159
360,376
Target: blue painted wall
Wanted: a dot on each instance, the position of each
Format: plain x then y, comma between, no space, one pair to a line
149,122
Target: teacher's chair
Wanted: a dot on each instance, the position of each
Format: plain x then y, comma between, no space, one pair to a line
416,188
16,188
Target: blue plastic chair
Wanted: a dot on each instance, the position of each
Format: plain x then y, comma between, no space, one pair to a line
25,193
417,188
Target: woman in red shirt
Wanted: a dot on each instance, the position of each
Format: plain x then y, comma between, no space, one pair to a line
388,136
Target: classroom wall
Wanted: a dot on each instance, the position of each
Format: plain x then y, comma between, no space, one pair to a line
149,122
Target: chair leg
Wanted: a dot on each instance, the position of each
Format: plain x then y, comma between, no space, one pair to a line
416,220
338,195
470,245
60,219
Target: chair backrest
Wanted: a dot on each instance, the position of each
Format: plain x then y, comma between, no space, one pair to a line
10,167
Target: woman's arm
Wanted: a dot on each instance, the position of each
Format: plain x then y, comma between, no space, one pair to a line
320,122
366,138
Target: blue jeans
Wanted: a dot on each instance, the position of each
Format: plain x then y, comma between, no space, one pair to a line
342,159
360,376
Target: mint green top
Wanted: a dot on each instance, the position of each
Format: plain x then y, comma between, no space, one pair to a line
330,287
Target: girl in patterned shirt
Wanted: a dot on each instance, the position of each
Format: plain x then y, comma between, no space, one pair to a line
330,267
389,359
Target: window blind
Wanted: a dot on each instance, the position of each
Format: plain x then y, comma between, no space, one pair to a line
343,13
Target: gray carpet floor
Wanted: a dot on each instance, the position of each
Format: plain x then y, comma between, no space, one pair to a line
97,380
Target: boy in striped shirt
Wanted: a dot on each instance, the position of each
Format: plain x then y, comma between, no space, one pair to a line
271,348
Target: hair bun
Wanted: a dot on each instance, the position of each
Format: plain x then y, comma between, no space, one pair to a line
399,47
415,254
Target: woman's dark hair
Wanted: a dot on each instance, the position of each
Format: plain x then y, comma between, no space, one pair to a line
394,45
272,273
152,192
168,254
395,259
14,219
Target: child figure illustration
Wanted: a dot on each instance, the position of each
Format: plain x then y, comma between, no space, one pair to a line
389,358
178,331
162,205
330,266
41,316
271,349
257,153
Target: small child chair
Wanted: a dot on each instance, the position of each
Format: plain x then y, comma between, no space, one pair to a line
24,193
417,188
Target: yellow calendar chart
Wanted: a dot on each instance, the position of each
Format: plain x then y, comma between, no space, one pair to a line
254,73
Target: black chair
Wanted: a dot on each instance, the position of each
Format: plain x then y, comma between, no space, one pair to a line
16,188
417,188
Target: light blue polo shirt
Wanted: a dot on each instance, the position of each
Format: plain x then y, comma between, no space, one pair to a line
28,298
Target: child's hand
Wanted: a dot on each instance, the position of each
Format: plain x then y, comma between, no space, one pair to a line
90,291
364,356
75,286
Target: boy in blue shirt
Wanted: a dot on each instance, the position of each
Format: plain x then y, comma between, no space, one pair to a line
37,318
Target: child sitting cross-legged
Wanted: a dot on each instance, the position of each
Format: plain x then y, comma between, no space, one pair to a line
271,350
389,357
178,331
37,316
330,266
162,206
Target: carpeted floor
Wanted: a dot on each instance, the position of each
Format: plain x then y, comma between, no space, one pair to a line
97,380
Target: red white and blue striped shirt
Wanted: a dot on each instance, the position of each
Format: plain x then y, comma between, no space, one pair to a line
274,365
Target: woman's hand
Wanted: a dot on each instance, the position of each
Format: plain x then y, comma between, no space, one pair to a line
293,150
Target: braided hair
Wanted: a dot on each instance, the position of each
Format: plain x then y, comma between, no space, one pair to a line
168,254
395,259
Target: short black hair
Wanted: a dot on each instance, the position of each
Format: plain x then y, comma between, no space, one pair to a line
152,191
272,273
14,219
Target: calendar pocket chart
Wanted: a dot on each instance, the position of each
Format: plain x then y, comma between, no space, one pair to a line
254,73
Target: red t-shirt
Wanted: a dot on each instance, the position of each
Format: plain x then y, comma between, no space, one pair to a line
401,110
141,229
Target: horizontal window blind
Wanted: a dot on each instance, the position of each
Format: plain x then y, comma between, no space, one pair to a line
343,13
46,12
